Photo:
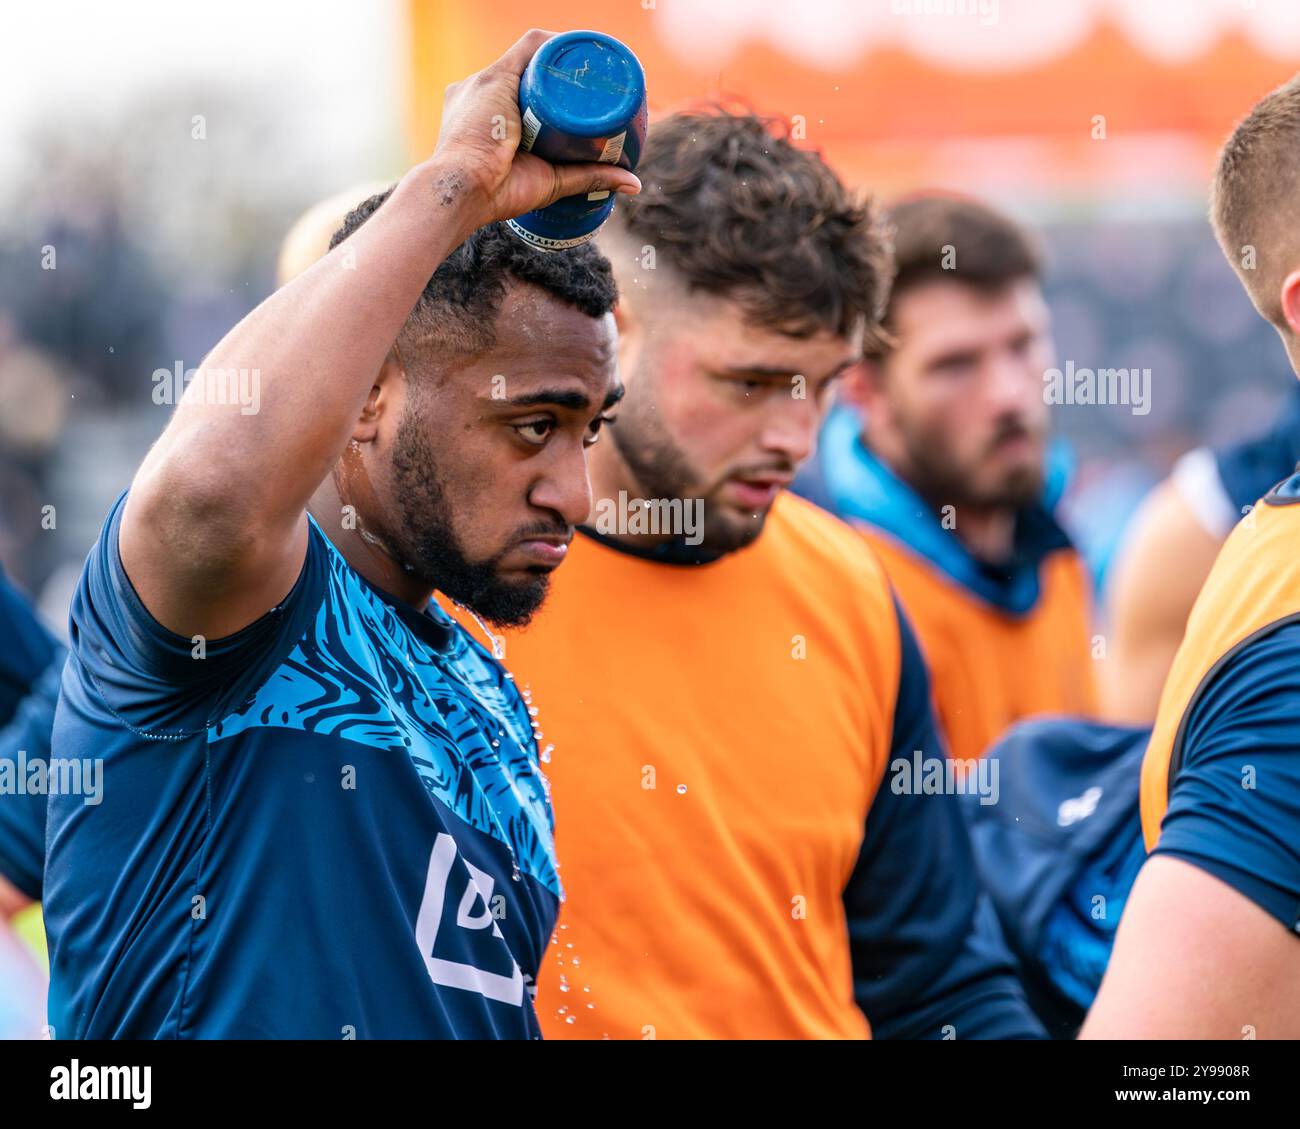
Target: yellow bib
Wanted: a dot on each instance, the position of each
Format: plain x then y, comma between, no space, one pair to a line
1253,587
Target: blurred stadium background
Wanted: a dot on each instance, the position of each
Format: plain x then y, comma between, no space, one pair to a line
162,149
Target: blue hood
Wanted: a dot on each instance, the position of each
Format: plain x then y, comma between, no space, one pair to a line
847,479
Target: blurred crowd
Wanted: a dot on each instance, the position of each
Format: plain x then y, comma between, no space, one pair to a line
80,343
125,248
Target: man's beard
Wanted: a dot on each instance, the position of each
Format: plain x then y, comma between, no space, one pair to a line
430,548
662,470
941,481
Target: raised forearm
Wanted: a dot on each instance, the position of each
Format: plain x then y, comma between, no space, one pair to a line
311,352
214,531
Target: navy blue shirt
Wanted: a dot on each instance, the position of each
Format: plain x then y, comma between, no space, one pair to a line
1250,469
29,663
1234,805
929,958
26,648
332,825
24,783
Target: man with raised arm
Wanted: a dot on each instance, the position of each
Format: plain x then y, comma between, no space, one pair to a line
321,812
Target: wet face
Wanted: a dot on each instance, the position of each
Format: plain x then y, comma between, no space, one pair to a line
720,410
481,474
958,408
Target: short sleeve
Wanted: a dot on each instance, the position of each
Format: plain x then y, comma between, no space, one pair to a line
1234,806
163,684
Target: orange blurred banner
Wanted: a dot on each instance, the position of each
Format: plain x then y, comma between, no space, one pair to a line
1013,97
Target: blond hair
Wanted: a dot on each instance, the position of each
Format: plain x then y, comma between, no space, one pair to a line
1253,194
309,238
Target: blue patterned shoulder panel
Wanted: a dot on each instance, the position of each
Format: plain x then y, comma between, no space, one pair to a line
361,674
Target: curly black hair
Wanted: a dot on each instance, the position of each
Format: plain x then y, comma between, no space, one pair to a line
457,312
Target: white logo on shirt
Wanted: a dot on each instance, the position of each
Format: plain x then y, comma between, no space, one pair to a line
1080,807
450,973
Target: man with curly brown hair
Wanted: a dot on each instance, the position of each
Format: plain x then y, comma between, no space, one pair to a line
722,679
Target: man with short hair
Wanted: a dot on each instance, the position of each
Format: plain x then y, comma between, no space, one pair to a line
940,455
321,811
1207,946
734,714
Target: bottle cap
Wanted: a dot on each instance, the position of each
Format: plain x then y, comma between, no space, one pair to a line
584,84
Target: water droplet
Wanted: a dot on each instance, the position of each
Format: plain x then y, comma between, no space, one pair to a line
570,1019
532,710
546,754
681,789
496,744
497,642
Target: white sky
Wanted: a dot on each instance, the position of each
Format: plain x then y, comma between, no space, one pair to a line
344,56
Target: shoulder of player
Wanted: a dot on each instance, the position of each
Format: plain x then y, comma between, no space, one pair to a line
1067,564
1266,662
1257,564
1244,702
830,545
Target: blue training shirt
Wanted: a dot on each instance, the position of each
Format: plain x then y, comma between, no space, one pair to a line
24,784
1250,469
28,648
1220,484
333,825
929,958
30,660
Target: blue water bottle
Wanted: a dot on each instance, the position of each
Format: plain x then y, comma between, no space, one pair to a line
582,98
